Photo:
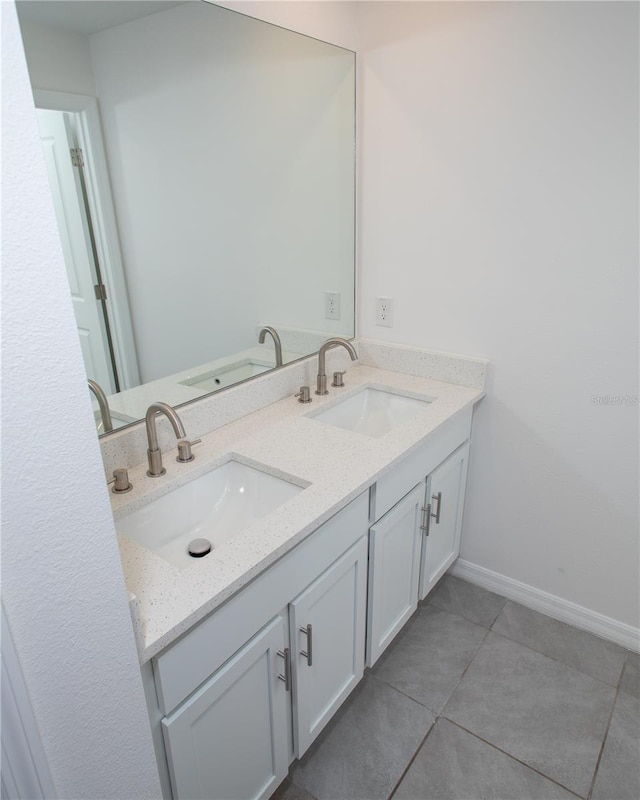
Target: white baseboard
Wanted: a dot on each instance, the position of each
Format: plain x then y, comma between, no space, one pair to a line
563,610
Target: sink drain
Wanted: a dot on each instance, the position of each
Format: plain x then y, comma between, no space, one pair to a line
199,548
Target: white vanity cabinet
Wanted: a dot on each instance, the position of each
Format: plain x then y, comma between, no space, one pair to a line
395,543
249,688
229,739
415,538
443,518
328,638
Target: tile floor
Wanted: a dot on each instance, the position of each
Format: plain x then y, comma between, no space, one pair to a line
479,697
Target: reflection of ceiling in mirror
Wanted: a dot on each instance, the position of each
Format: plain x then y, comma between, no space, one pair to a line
87,18
229,150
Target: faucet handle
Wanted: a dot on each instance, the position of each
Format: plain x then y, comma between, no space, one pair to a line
120,481
304,395
184,450
337,379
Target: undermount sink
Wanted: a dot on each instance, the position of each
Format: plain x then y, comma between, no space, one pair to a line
217,506
373,412
222,377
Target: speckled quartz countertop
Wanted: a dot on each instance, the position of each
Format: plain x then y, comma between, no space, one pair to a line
286,440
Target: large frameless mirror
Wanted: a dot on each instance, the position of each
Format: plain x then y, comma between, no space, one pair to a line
201,165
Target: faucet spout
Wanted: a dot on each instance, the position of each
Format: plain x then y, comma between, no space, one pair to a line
105,413
154,454
276,341
337,341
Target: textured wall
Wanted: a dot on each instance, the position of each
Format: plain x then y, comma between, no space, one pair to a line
62,583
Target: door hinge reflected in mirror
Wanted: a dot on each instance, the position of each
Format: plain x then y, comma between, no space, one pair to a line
101,291
76,157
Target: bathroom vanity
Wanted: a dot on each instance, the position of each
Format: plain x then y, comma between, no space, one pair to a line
248,652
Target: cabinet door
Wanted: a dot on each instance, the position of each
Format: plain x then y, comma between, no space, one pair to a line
445,494
228,740
394,570
327,640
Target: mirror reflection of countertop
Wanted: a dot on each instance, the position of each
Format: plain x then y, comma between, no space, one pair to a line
286,440
191,384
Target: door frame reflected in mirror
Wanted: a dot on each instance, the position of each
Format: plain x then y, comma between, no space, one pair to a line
187,384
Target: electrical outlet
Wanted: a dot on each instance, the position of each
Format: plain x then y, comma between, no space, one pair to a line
332,305
384,312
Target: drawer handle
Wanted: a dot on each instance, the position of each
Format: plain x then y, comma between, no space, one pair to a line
284,654
308,653
426,519
438,499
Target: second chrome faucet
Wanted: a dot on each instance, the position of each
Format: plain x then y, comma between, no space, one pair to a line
337,341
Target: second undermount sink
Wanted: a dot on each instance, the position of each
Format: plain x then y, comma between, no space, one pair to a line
373,412
221,377
217,506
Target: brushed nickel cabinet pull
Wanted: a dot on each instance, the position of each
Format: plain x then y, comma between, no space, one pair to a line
438,499
286,678
426,519
308,653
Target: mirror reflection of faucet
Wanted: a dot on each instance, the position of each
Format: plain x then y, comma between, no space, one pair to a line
276,341
337,341
154,454
105,413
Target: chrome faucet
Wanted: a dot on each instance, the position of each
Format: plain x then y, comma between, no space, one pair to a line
101,397
321,382
153,453
276,341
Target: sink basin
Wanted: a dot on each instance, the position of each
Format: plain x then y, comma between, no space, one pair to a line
373,412
225,376
217,506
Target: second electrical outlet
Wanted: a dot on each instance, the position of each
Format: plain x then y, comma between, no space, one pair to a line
332,305
384,312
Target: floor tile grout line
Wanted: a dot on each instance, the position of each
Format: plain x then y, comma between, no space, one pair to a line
506,600
602,745
556,660
580,630
426,602
412,759
513,758
404,694
464,671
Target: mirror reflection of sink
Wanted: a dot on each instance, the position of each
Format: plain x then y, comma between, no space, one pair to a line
373,412
117,420
221,377
217,506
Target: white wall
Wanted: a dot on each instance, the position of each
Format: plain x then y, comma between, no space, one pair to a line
330,20
58,60
499,207
62,585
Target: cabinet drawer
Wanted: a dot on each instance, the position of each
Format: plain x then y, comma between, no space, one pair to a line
192,659
392,487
